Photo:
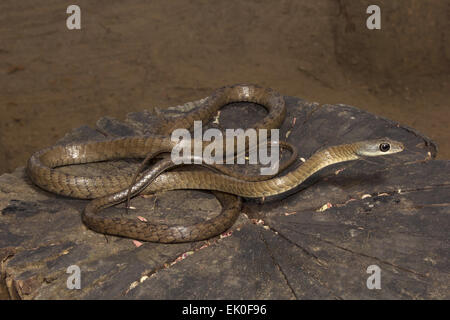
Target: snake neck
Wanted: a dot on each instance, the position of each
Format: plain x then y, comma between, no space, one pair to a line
315,163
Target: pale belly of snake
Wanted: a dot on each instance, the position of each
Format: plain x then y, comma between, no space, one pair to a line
109,190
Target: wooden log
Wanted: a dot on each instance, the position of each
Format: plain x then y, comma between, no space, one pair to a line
318,243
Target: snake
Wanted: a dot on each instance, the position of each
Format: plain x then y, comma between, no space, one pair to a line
112,189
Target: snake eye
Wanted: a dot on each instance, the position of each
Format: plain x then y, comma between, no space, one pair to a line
384,147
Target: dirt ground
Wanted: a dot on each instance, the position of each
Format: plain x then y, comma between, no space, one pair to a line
136,55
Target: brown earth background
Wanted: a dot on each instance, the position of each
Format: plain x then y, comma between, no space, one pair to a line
135,55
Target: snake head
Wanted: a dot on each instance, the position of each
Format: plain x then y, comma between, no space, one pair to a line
378,147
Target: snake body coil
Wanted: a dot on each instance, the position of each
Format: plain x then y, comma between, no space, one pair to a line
109,190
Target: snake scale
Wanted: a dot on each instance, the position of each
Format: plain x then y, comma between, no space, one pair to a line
109,190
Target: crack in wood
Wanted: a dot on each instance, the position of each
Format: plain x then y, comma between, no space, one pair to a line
306,252
171,262
361,254
376,258
280,234
277,265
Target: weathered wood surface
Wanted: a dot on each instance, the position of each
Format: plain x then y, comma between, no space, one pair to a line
392,212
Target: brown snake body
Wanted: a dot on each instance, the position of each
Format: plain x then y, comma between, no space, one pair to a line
110,190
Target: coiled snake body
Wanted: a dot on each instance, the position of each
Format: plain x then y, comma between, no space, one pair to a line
109,190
